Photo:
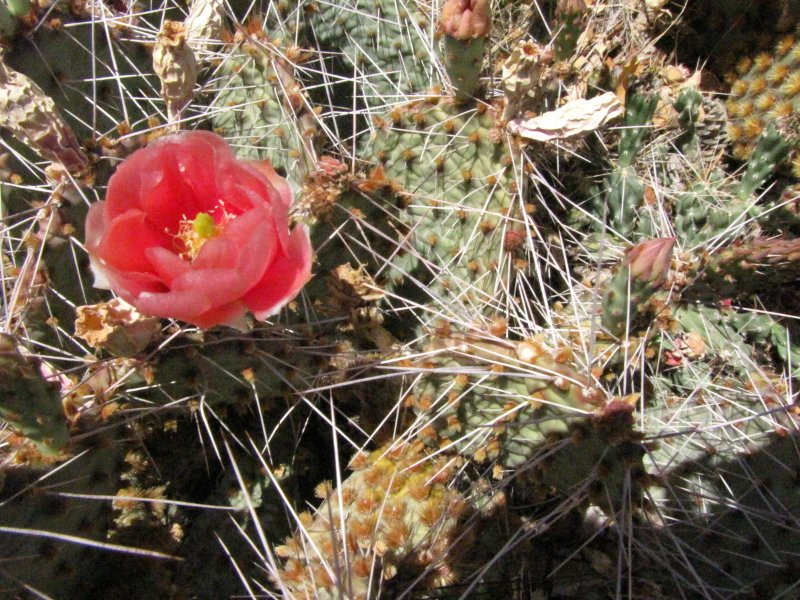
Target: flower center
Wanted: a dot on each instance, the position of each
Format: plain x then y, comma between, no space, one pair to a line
194,233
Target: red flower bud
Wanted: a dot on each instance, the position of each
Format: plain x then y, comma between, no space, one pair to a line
649,261
465,19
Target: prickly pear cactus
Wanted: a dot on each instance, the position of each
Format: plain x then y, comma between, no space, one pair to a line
386,47
523,407
261,108
393,517
54,521
94,71
29,404
741,541
451,166
577,347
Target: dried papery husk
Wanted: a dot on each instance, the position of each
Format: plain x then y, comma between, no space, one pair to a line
176,67
32,117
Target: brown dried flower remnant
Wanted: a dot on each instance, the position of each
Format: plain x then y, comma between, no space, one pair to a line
115,326
525,70
204,25
323,187
120,16
354,287
32,118
175,65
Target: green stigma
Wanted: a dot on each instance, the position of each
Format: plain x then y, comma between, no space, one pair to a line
194,233
204,226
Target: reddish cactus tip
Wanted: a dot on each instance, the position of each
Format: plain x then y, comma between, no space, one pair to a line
570,7
649,261
465,19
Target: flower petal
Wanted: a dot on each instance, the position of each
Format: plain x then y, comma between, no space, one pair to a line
125,240
284,278
252,227
216,143
129,286
220,253
185,305
218,286
101,280
188,306
201,159
169,201
247,244
95,225
172,178
166,264
232,315
281,186
125,184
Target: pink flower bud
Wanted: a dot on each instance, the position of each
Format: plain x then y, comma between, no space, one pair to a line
649,261
465,19
330,167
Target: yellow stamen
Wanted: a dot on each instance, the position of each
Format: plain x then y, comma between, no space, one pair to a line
196,232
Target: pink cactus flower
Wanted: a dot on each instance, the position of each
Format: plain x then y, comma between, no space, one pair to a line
465,19
189,232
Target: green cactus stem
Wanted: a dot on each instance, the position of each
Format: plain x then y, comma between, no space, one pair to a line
688,104
713,207
743,542
772,148
624,190
8,23
263,112
642,272
712,383
90,74
382,43
450,169
465,27
569,24
19,8
30,405
746,267
53,523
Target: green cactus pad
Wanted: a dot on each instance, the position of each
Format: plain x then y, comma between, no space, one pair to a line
387,46
451,166
523,409
263,113
29,405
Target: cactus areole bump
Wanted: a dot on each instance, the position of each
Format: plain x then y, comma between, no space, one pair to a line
189,232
